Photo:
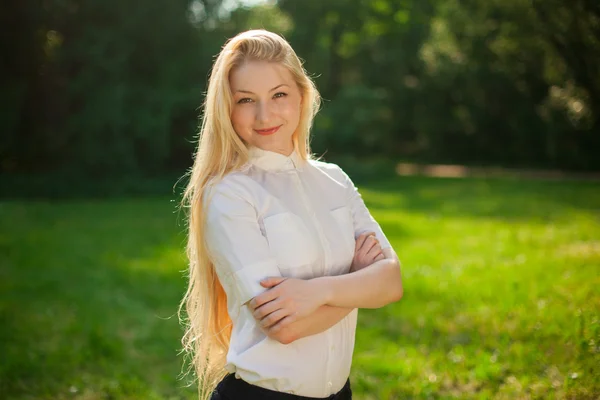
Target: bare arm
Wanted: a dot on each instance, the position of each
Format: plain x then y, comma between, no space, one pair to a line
293,299
367,251
324,318
372,287
290,300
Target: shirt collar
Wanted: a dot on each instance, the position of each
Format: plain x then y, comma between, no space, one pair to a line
272,161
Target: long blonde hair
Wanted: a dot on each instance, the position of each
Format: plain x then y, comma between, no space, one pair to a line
220,150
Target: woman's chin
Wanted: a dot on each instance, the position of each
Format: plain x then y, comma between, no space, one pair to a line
271,143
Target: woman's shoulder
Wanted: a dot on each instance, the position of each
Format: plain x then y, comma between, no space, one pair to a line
235,184
334,171
230,181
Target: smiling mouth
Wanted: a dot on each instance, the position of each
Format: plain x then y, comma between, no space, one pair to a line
269,131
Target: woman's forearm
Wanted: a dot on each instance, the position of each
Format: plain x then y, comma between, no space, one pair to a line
324,318
296,308
371,287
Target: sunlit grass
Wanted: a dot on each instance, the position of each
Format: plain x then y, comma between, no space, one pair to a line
501,292
501,295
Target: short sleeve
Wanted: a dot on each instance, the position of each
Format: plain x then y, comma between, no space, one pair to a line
236,245
361,217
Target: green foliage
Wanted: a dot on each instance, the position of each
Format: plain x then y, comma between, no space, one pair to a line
131,86
102,89
500,278
356,122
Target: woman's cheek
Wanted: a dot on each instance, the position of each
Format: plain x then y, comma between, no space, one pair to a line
289,108
242,117
240,123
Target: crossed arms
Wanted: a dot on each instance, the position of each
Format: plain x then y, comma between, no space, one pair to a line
294,308
290,308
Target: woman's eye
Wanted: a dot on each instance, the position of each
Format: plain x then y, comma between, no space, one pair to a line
280,94
244,100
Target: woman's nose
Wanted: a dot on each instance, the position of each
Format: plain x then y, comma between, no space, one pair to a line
263,112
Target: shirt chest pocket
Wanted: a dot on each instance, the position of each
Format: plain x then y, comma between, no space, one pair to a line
290,241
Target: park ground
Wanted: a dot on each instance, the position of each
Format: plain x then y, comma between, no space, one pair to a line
501,300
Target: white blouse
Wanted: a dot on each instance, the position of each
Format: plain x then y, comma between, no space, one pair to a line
283,216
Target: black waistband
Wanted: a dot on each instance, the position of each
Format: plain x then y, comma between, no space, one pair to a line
235,389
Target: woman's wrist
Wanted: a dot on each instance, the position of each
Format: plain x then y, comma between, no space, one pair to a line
372,287
324,288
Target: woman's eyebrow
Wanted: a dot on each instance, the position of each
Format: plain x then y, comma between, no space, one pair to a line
247,91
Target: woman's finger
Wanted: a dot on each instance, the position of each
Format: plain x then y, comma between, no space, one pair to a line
281,324
372,257
263,298
360,241
266,309
375,245
380,257
369,243
272,281
374,250
273,318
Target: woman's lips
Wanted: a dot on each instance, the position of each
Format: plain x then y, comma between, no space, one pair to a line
269,131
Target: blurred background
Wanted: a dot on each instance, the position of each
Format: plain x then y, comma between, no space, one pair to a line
471,127
104,89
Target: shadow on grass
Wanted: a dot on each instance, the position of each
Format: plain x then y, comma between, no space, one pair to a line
489,198
89,299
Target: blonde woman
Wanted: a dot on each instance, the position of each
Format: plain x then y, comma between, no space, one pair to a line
282,249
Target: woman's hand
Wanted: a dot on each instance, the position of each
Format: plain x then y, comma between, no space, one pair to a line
367,251
289,300
286,301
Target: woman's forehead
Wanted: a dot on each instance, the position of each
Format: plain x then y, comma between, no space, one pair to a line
259,77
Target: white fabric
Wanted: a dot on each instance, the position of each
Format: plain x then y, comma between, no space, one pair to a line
283,216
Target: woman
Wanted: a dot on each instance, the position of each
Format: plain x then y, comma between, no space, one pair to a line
282,248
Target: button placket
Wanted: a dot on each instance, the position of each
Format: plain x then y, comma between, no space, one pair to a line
326,257
313,215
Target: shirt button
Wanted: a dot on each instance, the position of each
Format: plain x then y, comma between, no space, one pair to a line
329,384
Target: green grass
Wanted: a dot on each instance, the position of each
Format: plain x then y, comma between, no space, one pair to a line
501,299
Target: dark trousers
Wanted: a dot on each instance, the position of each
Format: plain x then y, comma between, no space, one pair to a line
231,388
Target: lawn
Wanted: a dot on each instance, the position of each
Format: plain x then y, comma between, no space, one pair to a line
501,298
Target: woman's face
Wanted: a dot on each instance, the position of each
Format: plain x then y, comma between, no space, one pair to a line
266,105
